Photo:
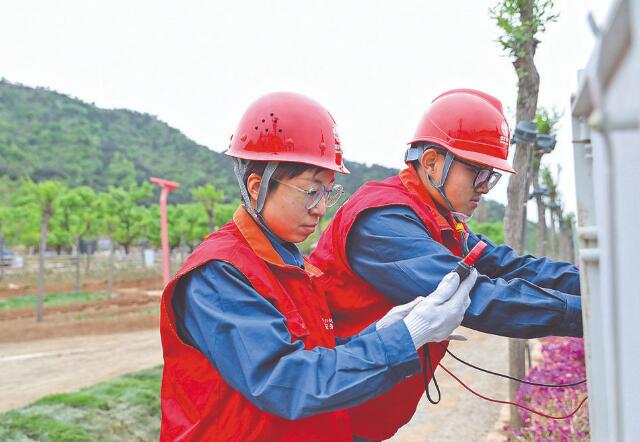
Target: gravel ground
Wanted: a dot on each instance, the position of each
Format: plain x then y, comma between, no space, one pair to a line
461,416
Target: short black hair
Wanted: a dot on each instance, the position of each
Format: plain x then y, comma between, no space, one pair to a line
285,169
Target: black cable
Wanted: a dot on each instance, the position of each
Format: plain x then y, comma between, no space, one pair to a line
537,384
426,361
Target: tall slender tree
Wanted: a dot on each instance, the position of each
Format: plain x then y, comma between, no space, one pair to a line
72,207
108,208
43,196
555,206
209,196
521,22
546,121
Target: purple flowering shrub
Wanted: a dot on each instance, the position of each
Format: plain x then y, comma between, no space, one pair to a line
563,363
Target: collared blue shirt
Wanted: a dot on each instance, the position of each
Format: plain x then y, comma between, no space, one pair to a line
514,296
246,339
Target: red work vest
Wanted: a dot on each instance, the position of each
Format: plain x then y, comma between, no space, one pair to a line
197,403
355,304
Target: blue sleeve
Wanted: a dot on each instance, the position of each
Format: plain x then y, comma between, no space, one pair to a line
503,262
245,338
346,340
391,249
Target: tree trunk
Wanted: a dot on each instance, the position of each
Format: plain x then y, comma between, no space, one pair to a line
541,244
76,261
44,227
554,235
212,218
518,188
87,266
110,268
571,255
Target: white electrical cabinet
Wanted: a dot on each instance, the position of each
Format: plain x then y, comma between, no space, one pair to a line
606,137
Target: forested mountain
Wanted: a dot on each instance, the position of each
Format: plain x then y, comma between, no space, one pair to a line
48,135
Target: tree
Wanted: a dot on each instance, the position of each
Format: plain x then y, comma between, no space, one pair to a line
121,171
555,206
108,208
43,196
566,238
131,216
72,208
521,21
209,197
546,122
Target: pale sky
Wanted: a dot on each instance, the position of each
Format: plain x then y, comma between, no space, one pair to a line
375,65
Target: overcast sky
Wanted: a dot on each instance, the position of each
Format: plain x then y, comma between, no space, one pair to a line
375,65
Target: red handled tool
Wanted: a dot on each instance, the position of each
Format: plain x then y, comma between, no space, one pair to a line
465,265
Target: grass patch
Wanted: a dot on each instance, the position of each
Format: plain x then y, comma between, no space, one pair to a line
123,409
51,299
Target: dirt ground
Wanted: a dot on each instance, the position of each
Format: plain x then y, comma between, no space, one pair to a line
136,307
34,369
78,345
460,416
83,344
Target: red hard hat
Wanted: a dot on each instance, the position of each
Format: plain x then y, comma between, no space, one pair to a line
470,124
283,126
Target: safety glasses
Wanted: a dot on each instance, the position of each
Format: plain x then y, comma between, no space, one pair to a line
316,193
483,175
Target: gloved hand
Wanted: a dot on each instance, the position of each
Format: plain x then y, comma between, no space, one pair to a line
437,315
397,313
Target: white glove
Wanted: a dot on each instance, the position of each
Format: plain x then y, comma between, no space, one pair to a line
397,313
436,316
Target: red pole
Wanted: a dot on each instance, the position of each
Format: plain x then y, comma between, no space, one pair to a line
166,186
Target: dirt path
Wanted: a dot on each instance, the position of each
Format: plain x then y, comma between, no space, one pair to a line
34,369
460,416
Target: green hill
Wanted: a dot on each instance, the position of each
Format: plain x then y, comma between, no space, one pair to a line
48,135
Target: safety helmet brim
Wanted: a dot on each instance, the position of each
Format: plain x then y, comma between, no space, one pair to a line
283,157
473,156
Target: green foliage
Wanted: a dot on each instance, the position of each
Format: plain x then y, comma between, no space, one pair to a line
547,120
124,409
51,299
21,225
46,135
209,197
551,183
71,219
518,29
224,213
494,231
44,195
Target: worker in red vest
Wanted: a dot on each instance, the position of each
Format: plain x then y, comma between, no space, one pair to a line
249,347
394,240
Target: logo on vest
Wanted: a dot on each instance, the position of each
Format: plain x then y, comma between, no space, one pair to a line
328,323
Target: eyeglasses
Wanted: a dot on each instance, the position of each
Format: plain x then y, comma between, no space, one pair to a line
483,175
316,193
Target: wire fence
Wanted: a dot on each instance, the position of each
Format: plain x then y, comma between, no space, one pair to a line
65,270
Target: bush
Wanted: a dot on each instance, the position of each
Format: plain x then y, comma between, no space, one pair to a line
563,363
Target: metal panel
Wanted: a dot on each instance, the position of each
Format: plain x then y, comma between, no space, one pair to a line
607,164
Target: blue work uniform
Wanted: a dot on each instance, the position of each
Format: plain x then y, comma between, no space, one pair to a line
514,296
245,338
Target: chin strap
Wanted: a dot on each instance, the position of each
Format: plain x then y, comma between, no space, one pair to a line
458,217
256,214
